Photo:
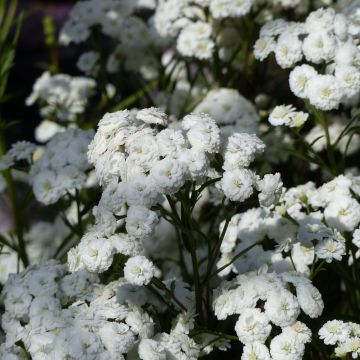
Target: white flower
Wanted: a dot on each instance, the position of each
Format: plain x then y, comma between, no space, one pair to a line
255,350
343,214
281,115
282,308
319,46
252,326
270,188
22,150
203,134
140,221
299,79
170,142
47,187
194,40
168,175
263,47
139,191
242,149
139,270
334,331
196,161
301,332
117,338
324,92
224,305
230,8
288,50
286,347
96,253
310,300
237,185
151,350
332,247
349,79
152,116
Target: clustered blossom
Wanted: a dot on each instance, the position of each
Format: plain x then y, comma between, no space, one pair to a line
279,308
138,164
192,224
345,335
324,38
287,115
61,167
61,97
58,315
313,221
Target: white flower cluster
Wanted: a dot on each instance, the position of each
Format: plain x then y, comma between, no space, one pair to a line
137,163
57,315
61,97
287,115
62,165
313,222
195,24
264,301
324,38
232,112
116,20
345,335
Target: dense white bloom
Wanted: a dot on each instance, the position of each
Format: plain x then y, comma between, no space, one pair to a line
227,8
140,221
288,50
237,185
117,338
281,115
282,308
61,96
334,331
96,253
196,161
152,116
299,79
344,214
286,347
255,350
241,150
324,92
203,133
252,326
319,46
310,300
349,79
263,47
151,350
139,270
168,175
332,247
194,40
270,188
227,107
